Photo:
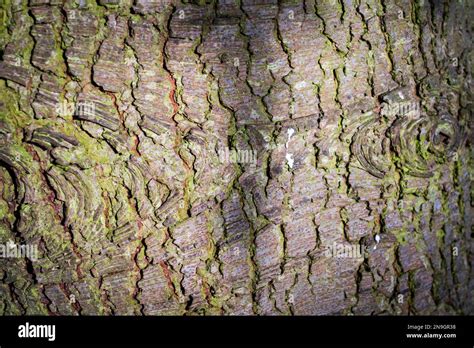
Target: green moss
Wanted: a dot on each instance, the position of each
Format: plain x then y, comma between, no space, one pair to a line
4,210
401,236
91,149
5,18
10,113
440,235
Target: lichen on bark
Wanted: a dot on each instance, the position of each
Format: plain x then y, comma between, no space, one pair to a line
349,125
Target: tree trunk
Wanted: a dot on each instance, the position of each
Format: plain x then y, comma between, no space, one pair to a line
236,157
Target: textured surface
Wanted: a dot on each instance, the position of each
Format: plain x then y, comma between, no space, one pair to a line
115,115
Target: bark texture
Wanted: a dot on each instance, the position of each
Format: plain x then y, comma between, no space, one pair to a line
214,157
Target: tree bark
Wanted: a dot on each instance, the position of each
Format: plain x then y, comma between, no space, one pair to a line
236,157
